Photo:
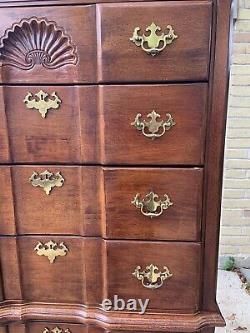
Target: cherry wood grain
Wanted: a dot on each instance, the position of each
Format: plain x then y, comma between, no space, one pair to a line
215,151
194,323
94,128
187,58
98,269
67,134
23,3
38,327
4,135
180,292
72,209
88,131
179,222
182,144
82,33
96,201
74,278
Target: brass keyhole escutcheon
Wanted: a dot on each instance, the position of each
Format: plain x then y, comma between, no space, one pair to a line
47,180
51,250
42,102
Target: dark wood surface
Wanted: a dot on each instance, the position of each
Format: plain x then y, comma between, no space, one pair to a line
64,136
182,259
93,126
90,132
98,269
194,322
179,222
183,60
215,151
182,144
187,58
72,209
97,202
85,68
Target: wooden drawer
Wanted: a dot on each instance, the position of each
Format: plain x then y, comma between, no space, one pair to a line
63,327
181,221
91,269
70,272
182,260
73,208
40,44
96,201
182,143
187,58
52,327
89,132
66,134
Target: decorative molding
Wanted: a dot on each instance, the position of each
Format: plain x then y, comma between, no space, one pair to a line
73,313
37,41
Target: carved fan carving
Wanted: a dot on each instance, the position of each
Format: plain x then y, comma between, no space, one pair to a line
37,41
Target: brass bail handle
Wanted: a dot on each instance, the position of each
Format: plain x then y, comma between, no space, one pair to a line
153,128
150,206
154,42
152,277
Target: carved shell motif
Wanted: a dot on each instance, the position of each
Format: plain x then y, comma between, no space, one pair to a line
36,41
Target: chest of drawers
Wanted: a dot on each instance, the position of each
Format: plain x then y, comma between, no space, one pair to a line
112,121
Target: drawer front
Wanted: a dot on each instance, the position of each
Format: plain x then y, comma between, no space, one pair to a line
153,204
41,44
134,134
91,270
174,215
52,327
177,288
38,267
50,200
49,124
44,126
125,53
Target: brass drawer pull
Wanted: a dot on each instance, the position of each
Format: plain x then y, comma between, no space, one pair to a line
47,180
51,250
153,43
56,330
151,277
42,102
149,206
153,129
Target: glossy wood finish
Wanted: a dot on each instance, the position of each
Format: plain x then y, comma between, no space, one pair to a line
67,134
42,281
97,202
91,213
187,58
95,272
179,222
214,152
192,320
181,289
84,132
83,71
182,144
72,209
